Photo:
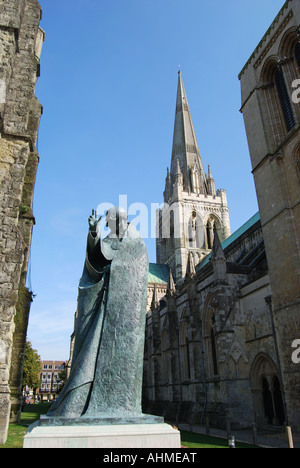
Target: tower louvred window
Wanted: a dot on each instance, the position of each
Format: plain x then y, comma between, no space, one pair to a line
284,100
297,53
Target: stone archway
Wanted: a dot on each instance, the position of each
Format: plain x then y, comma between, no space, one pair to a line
266,390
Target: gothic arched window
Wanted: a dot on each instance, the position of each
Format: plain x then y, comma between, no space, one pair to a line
191,232
184,344
210,233
297,53
172,232
195,233
284,100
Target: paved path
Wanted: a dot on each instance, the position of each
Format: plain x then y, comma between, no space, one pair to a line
264,438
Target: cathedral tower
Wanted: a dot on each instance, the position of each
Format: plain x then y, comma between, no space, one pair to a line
271,112
193,209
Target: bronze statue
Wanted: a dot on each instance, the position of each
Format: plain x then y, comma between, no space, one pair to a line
107,365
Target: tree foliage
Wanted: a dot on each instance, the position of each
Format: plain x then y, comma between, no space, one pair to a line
61,380
32,367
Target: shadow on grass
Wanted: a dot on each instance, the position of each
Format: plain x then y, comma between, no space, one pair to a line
32,413
192,440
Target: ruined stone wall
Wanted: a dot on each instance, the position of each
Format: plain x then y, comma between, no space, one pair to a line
20,112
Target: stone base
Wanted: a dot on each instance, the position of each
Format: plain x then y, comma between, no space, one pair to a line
104,421
137,436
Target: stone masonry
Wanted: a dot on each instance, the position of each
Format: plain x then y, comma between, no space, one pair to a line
210,342
271,113
21,41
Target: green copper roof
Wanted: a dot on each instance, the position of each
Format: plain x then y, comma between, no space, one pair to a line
158,274
233,237
241,230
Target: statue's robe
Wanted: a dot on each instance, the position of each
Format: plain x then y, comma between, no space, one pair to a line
107,365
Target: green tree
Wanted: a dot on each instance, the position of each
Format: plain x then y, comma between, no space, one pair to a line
61,380
32,367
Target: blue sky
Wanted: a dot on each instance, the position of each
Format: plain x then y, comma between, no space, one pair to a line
108,86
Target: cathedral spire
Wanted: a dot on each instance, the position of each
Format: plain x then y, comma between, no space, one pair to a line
193,207
185,146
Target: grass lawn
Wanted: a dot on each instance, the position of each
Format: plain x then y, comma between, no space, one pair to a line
16,432
31,413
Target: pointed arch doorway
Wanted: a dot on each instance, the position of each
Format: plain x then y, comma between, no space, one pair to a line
266,390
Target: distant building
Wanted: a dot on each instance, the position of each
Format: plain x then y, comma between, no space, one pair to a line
50,379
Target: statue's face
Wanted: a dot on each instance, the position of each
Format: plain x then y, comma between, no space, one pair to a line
111,221
116,221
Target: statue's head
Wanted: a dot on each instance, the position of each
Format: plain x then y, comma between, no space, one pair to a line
116,221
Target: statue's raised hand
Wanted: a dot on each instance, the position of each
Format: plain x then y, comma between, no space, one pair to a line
94,222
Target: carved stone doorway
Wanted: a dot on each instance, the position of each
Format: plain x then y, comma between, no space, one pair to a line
266,390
